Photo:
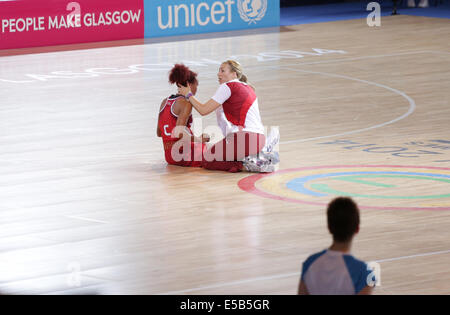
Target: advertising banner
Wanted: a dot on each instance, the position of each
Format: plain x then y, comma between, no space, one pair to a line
31,23
180,17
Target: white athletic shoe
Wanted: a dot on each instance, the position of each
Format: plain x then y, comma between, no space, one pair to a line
272,157
273,138
411,3
267,160
423,4
259,164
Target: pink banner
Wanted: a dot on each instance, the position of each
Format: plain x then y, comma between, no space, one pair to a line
32,23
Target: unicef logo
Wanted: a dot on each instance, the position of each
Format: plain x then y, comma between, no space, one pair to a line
252,11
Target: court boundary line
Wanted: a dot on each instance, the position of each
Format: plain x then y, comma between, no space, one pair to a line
85,219
439,52
309,63
411,109
410,100
288,275
206,64
361,58
412,103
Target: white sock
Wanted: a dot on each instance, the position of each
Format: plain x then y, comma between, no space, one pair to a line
423,4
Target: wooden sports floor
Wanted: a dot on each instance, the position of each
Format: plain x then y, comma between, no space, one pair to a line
88,204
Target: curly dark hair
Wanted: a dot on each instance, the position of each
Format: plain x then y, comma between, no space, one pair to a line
182,75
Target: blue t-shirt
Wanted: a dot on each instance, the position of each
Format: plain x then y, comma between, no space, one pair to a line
332,272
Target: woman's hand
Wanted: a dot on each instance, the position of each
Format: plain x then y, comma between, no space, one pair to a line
203,109
205,138
184,90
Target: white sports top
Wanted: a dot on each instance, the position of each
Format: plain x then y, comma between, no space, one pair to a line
236,100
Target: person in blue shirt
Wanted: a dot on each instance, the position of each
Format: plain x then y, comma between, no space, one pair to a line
335,271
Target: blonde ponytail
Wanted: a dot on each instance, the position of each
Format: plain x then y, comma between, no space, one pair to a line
237,68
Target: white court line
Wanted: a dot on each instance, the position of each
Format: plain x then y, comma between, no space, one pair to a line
412,103
85,219
359,58
439,52
206,73
410,100
265,61
226,284
414,256
80,159
287,275
412,106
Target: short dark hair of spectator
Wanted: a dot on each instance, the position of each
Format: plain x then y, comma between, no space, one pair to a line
343,219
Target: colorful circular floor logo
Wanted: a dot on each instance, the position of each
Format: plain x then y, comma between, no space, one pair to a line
386,187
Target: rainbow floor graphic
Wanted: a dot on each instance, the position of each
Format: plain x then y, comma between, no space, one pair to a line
389,187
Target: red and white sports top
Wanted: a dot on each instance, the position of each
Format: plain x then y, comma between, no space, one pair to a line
168,120
239,110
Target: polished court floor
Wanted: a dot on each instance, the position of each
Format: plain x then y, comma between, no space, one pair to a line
88,204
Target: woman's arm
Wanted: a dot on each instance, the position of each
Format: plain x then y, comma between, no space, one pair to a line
183,109
158,131
183,117
203,109
185,112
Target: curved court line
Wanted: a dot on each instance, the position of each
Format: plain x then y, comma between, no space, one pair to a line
247,184
412,105
298,184
410,100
